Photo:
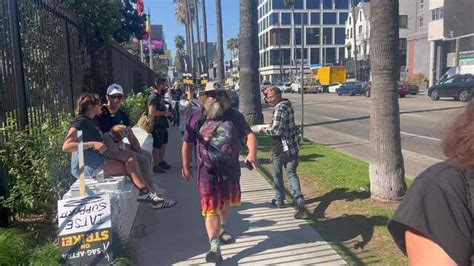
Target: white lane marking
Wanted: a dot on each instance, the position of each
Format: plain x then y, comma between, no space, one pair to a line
420,136
330,118
413,115
338,106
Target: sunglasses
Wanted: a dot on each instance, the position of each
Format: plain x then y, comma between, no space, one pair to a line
116,97
215,94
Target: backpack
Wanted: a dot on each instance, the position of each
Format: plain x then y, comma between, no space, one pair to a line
216,146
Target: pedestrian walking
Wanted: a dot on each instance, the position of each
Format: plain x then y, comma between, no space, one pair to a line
217,130
176,95
433,225
187,105
285,148
157,108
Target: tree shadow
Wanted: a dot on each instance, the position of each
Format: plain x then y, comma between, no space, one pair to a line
309,157
334,195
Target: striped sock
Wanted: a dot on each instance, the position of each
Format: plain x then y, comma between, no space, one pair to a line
215,244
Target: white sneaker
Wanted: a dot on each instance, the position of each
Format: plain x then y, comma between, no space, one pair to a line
149,198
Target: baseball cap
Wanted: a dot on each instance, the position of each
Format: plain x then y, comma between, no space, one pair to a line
114,89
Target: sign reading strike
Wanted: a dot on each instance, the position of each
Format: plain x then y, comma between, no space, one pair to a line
84,230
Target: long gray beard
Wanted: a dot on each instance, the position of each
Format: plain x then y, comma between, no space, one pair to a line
216,109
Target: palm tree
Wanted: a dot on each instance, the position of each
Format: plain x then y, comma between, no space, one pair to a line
386,167
220,44
184,14
179,58
204,21
250,104
232,44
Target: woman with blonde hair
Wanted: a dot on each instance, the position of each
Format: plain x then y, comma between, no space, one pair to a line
433,225
95,152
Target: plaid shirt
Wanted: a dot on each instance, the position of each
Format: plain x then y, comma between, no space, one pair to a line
283,126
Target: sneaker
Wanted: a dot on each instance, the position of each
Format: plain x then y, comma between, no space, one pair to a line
148,197
226,238
278,203
166,203
214,256
157,170
164,165
299,210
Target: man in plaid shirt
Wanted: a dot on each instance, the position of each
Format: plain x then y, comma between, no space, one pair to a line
285,147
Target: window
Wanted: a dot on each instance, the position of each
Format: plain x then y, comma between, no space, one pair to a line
437,14
280,36
351,34
341,4
298,36
329,18
327,35
402,44
298,18
286,18
420,21
315,18
422,4
330,56
339,36
327,4
360,29
350,20
275,57
298,53
403,21
341,55
313,4
313,36
279,4
274,19
314,59
343,18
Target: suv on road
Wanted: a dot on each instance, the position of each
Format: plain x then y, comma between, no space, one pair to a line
458,86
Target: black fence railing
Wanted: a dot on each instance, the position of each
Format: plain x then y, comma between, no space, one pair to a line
45,65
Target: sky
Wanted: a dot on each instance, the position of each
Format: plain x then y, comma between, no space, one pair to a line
162,12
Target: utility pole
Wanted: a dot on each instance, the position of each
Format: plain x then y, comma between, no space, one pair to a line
292,60
279,48
191,38
302,75
355,39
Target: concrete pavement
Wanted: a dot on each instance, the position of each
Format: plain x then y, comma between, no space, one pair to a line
264,235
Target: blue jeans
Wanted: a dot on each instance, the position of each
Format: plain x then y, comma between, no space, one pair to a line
290,163
92,161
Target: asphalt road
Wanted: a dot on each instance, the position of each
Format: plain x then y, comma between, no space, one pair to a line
342,122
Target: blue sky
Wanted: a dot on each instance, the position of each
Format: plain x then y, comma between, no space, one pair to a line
162,12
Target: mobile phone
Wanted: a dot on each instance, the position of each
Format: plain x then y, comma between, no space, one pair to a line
248,165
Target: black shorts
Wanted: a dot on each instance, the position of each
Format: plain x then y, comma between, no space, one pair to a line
160,137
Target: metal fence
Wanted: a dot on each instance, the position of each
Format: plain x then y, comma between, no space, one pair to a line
45,65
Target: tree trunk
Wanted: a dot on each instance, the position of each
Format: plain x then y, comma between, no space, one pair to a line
220,45
250,103
386,167
204,21
198,34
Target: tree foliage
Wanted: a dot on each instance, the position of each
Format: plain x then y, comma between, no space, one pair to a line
106,20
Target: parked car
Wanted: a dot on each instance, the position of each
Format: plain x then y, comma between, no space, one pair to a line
286,87
414,89
351,88
333,87
234,97
458,86
403,89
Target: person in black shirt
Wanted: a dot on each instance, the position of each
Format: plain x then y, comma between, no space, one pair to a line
158,109
113,115
88,107
433,225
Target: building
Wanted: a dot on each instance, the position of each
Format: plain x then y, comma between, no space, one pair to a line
418,60
323,35
451,36
362,37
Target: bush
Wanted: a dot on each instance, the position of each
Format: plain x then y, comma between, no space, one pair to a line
135,105
38,170
17,248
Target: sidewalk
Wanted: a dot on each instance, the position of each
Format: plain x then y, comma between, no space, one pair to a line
263,235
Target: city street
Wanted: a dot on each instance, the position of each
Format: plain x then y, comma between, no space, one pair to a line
342,122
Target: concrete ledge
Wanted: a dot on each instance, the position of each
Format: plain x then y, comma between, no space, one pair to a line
123,194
